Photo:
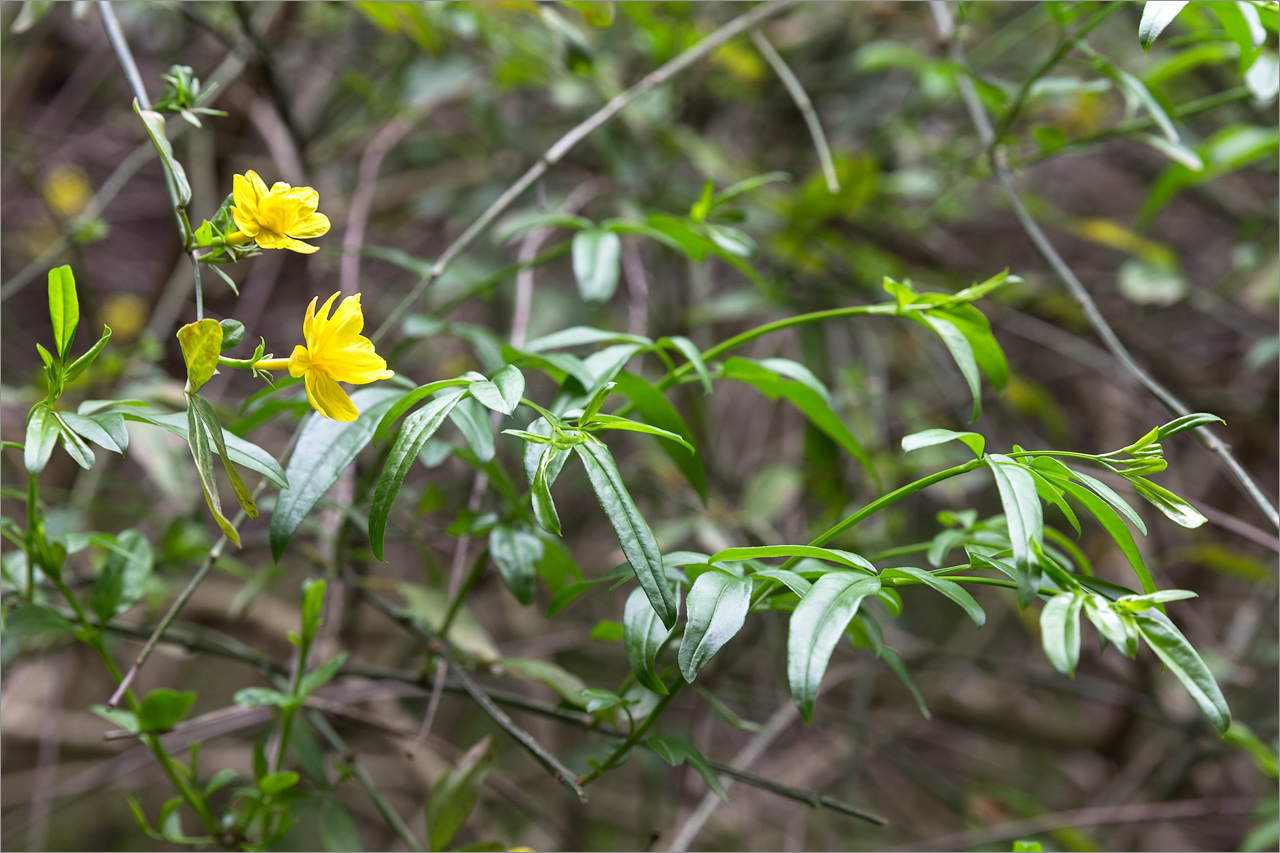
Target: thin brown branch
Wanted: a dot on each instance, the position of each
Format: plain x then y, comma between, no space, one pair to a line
803,103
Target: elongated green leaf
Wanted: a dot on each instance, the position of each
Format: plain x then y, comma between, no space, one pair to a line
544,507
1156,15
122,579
533,453
596,255
1177,510
64,309
501,393
408,401
75,446
643,635
1113,524
454,796
607,422
1184,662
154,122
1187,422
690,351
717,609
1100,488
92,430
803,398
930,437
1110,624
657,410
764,552
516,552
79,366
472,421
1060,631
198,441
676,751
210,418
27,620
201,346
950,589
42,434
1025,519
324,450
1051,494
162,708
580,335
569,686
788,578
417,428
817,623
634,535
958,345
244,453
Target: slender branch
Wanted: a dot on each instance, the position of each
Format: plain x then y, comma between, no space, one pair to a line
635,735
803,103
999,164
814,800
566,143
274,85
558,770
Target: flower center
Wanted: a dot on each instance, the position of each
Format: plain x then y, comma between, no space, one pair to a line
276,214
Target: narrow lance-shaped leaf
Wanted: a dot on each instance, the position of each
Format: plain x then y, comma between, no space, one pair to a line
950,589
210,418
453,797
82,363
717,609
418,427
657,410
634,535
516,552
1183,661
42,434
244,453
676,751
198,441
544,507
1060,631
324,450
817,624
1025,519
642,636
154,122
958,345
1156,15
596,255
64,309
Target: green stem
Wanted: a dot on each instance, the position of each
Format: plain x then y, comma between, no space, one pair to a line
195,268
33,521
635,736
1064,47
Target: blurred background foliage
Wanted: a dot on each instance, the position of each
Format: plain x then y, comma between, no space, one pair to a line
410,118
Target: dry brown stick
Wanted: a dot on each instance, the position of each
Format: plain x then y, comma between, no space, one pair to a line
1093,816
566,143
803,103
1000,165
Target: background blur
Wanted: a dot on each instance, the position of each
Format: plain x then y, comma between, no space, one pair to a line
410,119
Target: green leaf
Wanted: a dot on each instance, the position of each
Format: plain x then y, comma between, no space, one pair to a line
544,508
198,441
257,697
958,345
598,699
716,611
950,589
804,398
516,552
643,635
690,350
559,679
418,427
94,431
788,578
162,708
634,535
154,122
277,783
676,751
848,559
64,309
201,345
1184,662
816,625
502,393
322,674
608,422
657,410
79,366
312,606
579,335
1025,519
596,255
1185,423
75,446
42,434
232,333
26,620
1110,624
473,422
1060,630
930,437
1178,510
338,829
408,401
324,450
122,580
1156,15
210,418
243,453
453,797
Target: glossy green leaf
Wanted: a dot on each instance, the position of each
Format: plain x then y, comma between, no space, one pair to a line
1110,624
716,611
544,507
1175,508
1025,519
64,309
75,446
210,418
454,795
42,435
1156,15
473,422
198,441
258,697
418,427
1114,525
676,751
27,620
950,589
596,261
643,635
581,335
1184,662
154,122
764,552
516,553
408,401
162,708
958,345
502,393
122,580
817,623
634,535
201,345
324,449
930,437
1060,631
787,578
690,351
94,431
243,453
658,411
1185,423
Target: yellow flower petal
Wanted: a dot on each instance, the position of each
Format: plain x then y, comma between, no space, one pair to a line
315,225
306,198
248,190
279,187
301,359
309,322
358,365
328,398
271,240
248,224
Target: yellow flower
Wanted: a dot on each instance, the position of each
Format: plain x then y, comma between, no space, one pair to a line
335,352
278,218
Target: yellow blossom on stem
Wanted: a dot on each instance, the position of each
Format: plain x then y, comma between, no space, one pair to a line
277,218
335,352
